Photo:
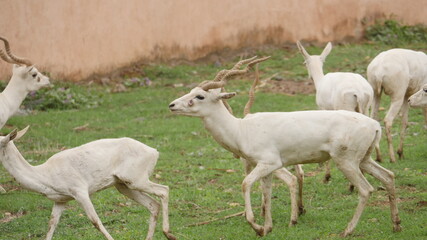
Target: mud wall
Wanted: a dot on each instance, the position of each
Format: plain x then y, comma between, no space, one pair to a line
75,38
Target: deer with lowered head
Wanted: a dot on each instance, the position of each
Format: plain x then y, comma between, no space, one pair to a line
81,171
419,99
272,140
25,78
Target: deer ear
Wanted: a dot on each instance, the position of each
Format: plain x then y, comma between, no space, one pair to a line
302,50
326,51
226,95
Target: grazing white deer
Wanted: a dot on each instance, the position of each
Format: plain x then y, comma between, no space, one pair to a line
25,78
78,172
338,90
273,140
419,99
399,73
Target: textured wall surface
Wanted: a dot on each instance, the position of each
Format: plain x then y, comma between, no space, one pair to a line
75,38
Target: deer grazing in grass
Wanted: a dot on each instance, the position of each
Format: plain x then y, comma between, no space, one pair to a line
25,78
78,172
400,73
419,99
270,141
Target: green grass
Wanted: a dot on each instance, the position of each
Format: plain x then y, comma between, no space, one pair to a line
193,165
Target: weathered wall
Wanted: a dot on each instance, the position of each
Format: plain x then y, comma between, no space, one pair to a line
73,39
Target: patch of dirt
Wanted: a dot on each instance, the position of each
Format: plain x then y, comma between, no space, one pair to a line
290,87
276,84
8,216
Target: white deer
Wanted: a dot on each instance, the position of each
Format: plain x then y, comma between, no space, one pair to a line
273,140
399,73
25,78
78,172
297,206
338,90
419,99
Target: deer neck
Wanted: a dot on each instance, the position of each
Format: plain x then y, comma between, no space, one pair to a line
20,169
316,73
13,95
224,128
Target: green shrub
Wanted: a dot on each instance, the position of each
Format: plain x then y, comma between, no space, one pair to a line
60,98
392,32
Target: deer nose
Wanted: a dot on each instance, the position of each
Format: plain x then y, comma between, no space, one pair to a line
171,105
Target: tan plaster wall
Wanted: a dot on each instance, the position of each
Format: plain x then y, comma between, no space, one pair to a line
73,39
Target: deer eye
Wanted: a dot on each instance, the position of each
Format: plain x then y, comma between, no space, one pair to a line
34,75
200,97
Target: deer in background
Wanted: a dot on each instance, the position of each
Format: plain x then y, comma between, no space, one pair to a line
25,78
419,99
338,90
400,73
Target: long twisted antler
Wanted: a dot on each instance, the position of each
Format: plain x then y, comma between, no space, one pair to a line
9,57
221,77
251,99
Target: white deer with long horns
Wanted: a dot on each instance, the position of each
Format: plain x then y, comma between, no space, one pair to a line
25,78
270,141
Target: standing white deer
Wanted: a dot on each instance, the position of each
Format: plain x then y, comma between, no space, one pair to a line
270,141
338,90
78,172
25,78
399,73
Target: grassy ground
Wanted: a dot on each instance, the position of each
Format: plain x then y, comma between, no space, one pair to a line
204,179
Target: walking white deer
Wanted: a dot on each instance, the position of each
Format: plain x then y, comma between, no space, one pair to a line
297,206
78,172
273,140
399,73
25,78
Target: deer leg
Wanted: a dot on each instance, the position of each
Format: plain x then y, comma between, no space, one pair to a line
87,205
395,106
57,210
387,178
266,193
327,177
152,205
376,105
404,110
260,171
290,180
161,191
378,152
300,177
351,170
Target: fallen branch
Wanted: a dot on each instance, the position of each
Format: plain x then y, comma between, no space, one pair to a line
217,219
